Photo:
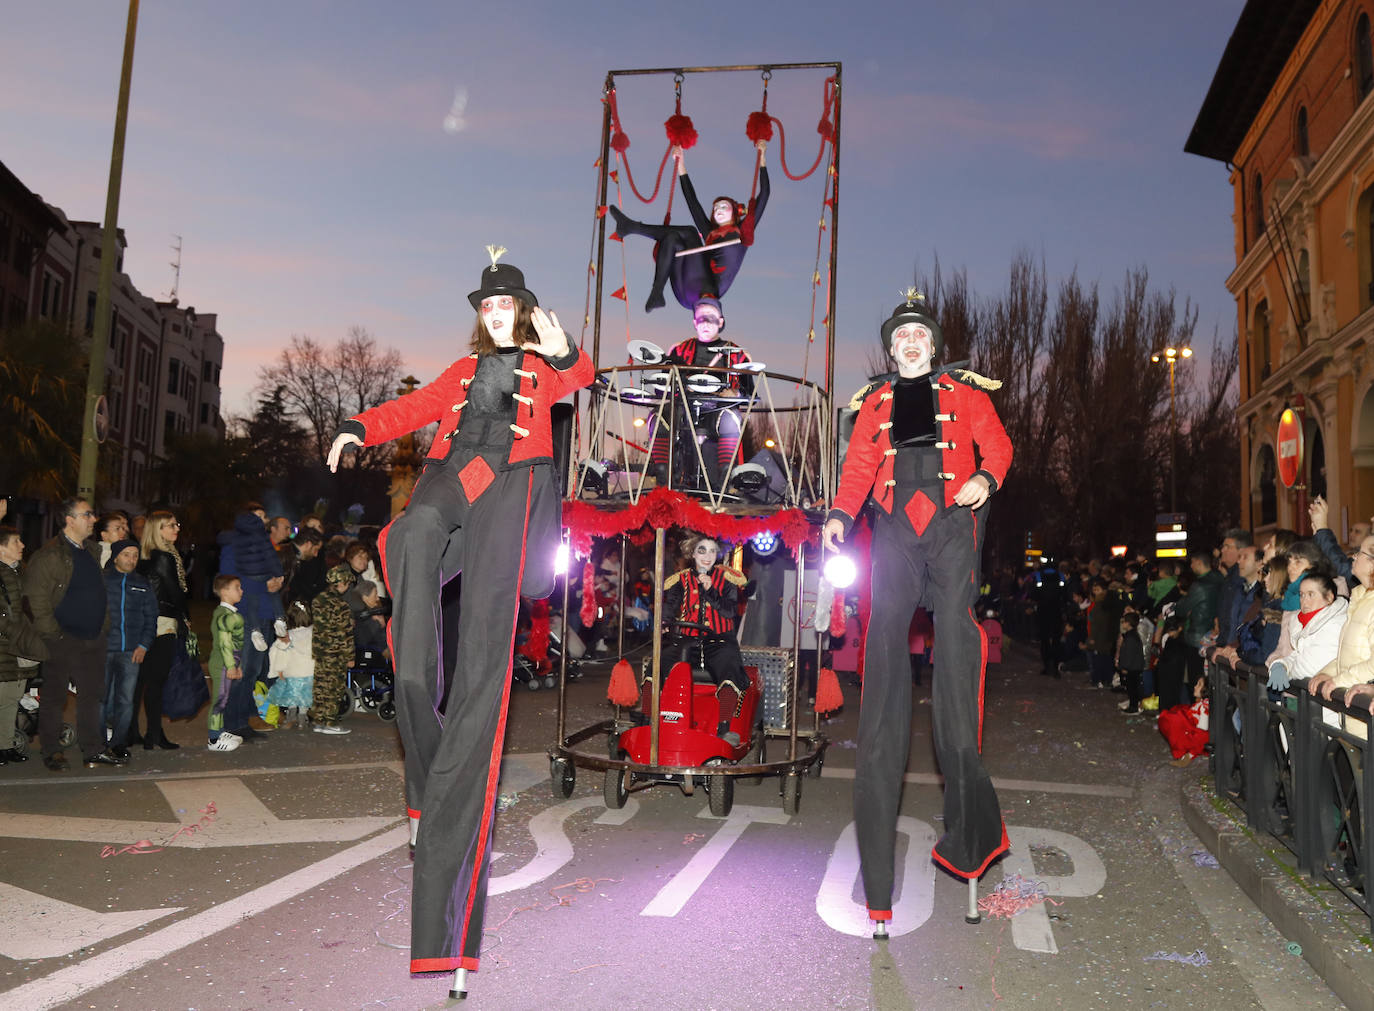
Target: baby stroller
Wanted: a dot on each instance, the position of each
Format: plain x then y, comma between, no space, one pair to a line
371,686
26,722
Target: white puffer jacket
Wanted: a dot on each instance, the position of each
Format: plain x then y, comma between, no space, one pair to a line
1315,644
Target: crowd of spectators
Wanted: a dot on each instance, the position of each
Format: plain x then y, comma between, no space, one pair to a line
105,607
1297,607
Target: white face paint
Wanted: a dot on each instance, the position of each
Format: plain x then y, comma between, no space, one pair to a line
707,323
722,212
498,316
704,556
912,349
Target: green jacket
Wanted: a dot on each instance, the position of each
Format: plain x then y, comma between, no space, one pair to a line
18,637
45,582
226,639
1199,607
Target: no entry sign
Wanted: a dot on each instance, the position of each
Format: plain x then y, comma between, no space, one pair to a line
1290,447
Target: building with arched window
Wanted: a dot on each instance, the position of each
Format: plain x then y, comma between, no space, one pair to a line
1290,114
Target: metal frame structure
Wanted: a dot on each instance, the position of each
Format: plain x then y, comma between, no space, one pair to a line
813,407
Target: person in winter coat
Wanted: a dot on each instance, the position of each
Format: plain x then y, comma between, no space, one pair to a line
1353,667
247,552
1315,632
164,570
132,605
21,648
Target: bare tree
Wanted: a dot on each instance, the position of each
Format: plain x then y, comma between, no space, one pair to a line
323,386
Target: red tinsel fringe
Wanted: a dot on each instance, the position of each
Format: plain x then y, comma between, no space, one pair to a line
837,621
588,612
663,508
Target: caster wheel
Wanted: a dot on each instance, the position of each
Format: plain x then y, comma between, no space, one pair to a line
791,793
563,776
532,684
720,794
617,788
68,736
550,681
387,711
815,769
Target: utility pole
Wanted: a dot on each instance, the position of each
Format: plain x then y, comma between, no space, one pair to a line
100,338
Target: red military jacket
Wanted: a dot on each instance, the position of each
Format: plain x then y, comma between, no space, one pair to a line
684,353
715,608
964,418
541,386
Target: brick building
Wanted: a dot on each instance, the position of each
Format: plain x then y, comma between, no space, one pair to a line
1289,114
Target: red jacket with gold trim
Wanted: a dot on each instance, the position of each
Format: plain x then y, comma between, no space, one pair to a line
716,608
964,418
541,386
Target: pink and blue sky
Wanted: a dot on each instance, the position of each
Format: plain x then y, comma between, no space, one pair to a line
299,149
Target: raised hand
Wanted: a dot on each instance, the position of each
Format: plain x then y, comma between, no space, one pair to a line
553,342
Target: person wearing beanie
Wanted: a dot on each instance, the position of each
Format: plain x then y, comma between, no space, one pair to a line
487,505
131,604
718,415
729,229
912,453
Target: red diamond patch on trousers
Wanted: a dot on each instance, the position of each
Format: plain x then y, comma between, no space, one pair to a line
476,477
919,510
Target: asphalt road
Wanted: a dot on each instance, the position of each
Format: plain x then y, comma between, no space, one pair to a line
278,877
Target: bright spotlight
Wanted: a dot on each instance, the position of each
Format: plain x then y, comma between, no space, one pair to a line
765,543
840,571
560,559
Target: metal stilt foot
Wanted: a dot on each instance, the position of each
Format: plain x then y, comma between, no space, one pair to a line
973,915
459,990
880,930
414,830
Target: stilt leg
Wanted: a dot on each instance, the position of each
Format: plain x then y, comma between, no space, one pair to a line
459,990
973,915
880,930
414,830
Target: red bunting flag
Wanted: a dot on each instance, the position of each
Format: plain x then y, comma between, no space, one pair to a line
619,293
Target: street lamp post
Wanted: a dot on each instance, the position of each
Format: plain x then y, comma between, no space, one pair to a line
1172,355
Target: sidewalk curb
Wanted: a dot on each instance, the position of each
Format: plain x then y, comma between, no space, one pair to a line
1333,933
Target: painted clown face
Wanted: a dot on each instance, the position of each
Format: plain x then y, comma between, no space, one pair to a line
704,555
723,212
706,320
912,349
498,316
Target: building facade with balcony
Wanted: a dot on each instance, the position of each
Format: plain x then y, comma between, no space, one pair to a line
163,361
1290,114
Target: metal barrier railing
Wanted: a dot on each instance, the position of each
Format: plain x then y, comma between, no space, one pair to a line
1295,765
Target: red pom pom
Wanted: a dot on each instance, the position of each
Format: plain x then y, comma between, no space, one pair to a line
759,127
619,141
681,132
536,647
622,690
828,694
837,619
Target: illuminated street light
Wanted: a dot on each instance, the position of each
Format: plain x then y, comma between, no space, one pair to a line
1172,355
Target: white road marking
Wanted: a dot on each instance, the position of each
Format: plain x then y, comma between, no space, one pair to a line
914,901
65,985
554,849
674,895
40,927
1030,928
242,820
1031,785
143,777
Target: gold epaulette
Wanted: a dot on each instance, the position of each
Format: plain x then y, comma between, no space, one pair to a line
856,401
733,575
673,579
970,378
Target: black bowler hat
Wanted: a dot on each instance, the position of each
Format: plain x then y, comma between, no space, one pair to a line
501,279
914,310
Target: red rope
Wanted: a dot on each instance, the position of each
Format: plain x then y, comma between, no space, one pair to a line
826,129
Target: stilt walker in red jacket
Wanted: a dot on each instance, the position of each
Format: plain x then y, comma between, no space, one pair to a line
913,451
487,505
